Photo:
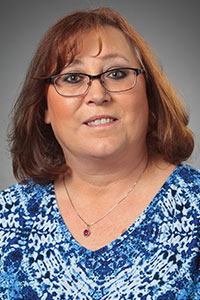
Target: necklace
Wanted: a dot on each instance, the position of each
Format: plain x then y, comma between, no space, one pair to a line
87,230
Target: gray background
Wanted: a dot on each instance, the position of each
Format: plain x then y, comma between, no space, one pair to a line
171,28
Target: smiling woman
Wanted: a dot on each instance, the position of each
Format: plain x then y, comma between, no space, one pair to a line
43,158
104,207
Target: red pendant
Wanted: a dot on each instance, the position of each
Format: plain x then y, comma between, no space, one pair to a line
86,232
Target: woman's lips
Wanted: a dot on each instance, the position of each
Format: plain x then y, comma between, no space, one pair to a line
100,120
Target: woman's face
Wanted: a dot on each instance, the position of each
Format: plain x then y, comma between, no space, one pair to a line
126,112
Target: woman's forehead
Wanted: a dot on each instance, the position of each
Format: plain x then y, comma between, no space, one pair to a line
107,43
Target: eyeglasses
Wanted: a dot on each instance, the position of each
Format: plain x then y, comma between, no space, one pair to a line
77,84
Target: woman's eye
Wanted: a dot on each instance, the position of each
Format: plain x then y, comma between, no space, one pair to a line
72,78
117,74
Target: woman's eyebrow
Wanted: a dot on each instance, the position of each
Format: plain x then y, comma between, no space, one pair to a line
105,57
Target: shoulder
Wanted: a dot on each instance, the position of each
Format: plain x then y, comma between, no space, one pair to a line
24,191
24,198
188,174
184,188
186,177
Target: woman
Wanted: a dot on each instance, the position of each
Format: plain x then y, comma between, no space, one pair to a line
104,208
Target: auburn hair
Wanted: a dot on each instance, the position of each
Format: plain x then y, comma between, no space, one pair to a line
35,151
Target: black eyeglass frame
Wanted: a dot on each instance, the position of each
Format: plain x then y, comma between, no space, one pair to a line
51,80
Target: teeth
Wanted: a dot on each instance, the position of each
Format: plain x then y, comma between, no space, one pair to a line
100,121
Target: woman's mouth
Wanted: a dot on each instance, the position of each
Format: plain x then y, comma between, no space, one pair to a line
101,121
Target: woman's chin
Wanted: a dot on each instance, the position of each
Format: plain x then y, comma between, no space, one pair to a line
106,151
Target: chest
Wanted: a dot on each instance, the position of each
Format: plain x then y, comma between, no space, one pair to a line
144,260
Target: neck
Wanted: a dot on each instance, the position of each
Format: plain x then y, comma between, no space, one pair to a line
100,174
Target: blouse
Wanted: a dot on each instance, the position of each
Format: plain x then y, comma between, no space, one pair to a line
156,258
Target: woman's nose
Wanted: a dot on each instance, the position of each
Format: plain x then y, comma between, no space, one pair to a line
96,93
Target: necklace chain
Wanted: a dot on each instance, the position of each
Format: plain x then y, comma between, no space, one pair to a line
87,231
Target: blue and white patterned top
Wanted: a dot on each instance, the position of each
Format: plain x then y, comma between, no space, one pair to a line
157,258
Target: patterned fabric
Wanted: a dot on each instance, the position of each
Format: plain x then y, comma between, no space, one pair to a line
156,258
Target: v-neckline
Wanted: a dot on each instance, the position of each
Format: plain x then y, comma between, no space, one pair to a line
124,235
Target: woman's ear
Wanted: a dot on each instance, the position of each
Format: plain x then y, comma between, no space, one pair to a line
47,117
